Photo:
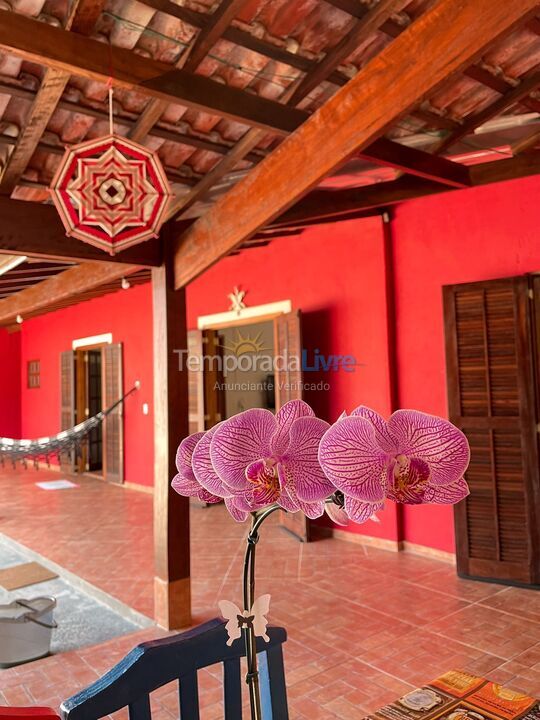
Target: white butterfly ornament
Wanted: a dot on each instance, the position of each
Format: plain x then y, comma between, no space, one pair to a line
238,619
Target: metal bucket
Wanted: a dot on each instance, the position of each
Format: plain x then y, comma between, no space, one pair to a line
26,627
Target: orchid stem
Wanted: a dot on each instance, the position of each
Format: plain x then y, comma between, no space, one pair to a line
252,677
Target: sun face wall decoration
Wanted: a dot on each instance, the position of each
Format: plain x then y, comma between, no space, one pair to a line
111,192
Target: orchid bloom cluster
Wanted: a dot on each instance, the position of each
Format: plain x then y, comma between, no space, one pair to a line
302,463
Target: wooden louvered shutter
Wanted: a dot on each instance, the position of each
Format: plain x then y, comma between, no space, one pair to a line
195,383
67,402
288,344
288,386
113,425
491,393
214,394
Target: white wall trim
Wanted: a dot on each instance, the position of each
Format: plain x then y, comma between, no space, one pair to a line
105,339
204,322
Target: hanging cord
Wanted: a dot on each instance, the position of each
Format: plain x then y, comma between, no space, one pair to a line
111,90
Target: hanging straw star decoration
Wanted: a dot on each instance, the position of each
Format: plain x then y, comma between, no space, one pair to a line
111,192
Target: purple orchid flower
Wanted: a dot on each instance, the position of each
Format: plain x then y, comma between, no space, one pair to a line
264,458
185,483
413,458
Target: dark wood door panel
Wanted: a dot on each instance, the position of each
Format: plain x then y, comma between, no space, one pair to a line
490,351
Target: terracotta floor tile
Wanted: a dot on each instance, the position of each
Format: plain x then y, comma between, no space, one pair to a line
364,625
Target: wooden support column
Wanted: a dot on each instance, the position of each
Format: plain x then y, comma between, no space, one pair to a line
172,596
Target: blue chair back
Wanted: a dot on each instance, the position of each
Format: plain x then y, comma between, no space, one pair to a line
153,664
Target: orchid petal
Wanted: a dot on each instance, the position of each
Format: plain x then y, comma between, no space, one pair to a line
300,466
447,494
240,441
184,454
290,501
184,486
286,416
353,460
435,441
384,437
237,513
185,483
360,512
203,468
337,514
208,497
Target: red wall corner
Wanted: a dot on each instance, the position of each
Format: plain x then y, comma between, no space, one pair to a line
11,378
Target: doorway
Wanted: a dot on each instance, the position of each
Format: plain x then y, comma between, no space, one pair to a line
217,392
91,381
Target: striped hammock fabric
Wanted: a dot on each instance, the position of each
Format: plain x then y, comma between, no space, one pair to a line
64,442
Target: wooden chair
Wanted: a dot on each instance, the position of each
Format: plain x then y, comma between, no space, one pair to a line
153,664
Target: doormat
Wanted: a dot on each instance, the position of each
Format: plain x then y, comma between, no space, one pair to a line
56,485
19,576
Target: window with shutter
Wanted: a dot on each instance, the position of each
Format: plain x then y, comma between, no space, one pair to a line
491,360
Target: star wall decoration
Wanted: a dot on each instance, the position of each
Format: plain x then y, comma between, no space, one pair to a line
111,193
237,300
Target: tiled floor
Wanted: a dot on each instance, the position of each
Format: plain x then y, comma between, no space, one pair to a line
364,625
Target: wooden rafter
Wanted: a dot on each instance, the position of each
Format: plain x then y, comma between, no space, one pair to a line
529,141
190,60
29,228
72,282
345,204
444,40
417,162
292,96
514,96
56,48
121,118
82,18
376,16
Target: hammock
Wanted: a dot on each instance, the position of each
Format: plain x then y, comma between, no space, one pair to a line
56,445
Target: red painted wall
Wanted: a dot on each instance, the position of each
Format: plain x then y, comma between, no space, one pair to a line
10,384
479,234
128,316
335,274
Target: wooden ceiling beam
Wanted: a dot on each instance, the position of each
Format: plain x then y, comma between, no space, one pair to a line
208,36
292,96
529,141
514,96
85,57
240,37
174,136
417,162
189,61
336,205
29,228
81,19
444,39
66,285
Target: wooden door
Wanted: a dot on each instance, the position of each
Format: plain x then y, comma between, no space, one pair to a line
113,425
94,389
288,386
214,395
490,338
67,403
81,404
